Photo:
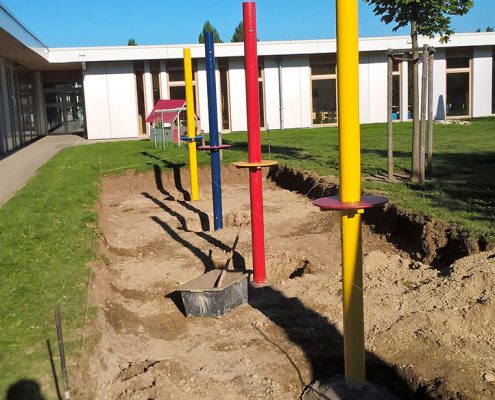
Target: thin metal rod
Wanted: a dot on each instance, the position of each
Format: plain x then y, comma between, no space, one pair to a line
58,323
54,370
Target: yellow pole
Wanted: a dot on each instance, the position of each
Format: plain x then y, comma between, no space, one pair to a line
191,129
350,190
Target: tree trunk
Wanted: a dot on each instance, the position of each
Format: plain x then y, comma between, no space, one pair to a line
424,98
430,115
416,124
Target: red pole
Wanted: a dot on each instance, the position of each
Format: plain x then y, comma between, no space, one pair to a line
254,141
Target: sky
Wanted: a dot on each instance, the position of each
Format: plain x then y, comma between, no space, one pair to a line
61,23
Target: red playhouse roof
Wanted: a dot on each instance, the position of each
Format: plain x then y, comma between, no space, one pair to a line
161,108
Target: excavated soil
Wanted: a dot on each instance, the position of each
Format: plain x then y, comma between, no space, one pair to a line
428,334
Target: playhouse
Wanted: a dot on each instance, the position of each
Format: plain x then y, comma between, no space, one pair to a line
167,120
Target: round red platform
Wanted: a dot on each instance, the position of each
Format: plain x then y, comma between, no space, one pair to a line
334,203
212,148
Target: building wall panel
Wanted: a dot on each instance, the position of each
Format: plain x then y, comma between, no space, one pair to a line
482,81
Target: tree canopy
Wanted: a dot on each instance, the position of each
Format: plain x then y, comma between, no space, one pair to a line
131,42
208,27
238,35
432,17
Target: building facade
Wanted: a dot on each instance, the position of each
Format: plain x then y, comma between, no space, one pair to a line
107,92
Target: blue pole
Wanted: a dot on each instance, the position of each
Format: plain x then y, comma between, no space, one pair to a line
216,184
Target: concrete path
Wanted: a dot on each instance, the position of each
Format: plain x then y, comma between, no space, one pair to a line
17,168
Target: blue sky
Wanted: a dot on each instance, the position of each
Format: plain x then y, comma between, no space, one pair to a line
59,23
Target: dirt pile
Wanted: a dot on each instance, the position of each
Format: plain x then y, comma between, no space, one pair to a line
424,328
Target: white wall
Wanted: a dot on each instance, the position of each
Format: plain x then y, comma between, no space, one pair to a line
203,96
439,85
110,100
377,88
482,81
272,101
296,81
404,87
364,85
237,93
163,81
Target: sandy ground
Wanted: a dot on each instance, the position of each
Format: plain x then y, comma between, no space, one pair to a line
434,331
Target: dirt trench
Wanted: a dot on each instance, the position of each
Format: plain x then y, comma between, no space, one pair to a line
425,238
428,335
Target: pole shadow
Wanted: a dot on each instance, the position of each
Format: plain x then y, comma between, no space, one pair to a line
176,173
322,343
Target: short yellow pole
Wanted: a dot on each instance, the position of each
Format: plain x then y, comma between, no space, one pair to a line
350,190
191,129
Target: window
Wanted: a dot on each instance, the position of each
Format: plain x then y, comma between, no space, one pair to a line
155,79
493,83
223,66
177,84
19,123
139,73
323,89
261,91
458,82
396,74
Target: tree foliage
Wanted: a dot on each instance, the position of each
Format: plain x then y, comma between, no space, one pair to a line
208,27
238,35
432,17
131,42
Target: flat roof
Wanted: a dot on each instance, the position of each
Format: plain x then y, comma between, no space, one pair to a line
269,48
20,45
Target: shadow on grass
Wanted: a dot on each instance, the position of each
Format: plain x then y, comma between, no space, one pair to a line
463,182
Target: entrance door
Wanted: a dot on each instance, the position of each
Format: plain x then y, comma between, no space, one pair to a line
64,107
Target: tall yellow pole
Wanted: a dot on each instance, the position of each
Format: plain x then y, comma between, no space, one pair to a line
191,129
350,190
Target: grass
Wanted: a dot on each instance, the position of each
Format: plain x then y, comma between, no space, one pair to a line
460,192
47,230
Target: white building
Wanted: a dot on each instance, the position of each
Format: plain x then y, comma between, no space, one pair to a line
107,92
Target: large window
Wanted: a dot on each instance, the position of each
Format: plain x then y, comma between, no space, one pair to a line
155,79
18,118
323,89
223,66
139,74
177,84
396,73
458,82
261,91
493,83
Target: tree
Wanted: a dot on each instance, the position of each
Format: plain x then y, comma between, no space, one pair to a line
238,35
489,29
208,27
131,42
428,18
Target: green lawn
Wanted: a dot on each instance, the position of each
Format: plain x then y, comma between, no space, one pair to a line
47,230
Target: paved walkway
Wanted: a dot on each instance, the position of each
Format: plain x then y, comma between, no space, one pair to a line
17,168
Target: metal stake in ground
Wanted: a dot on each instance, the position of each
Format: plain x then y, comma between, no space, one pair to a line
215,146
254,163
58,324
350,201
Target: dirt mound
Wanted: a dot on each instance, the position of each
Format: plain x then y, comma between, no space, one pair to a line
427,333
